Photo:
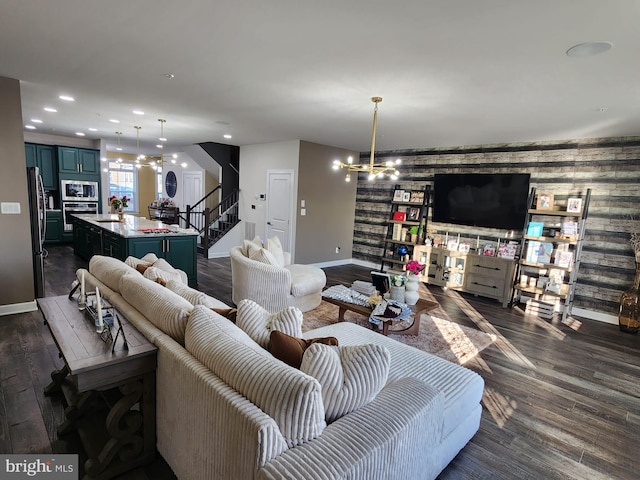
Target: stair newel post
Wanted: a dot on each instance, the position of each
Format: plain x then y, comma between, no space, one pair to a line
188,219
206,230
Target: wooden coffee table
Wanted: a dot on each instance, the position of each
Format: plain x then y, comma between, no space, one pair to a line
422,307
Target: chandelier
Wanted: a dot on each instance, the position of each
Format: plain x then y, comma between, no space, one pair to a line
374,170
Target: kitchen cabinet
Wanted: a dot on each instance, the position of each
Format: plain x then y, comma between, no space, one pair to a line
551,251
87,240
406,225
43,157
54,227
78,161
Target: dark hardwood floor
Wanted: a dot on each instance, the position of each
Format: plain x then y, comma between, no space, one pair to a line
562,401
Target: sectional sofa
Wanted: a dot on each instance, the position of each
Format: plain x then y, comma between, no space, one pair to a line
227,408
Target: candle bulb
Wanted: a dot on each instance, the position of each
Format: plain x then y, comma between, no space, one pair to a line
99,310
458,239
446,238
82,285
478,243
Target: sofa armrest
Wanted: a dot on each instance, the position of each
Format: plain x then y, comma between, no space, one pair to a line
395,436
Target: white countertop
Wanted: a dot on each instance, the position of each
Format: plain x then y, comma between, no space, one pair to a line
132,227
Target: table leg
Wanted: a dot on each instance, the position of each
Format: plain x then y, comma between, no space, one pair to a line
57,377
341,312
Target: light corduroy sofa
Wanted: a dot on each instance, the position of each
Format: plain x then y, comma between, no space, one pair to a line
227,409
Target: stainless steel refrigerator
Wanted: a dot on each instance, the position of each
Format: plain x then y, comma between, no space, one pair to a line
38,216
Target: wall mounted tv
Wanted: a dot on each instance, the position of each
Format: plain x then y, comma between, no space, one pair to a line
481,200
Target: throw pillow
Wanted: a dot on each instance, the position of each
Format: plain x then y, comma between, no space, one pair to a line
141,264
265,256
229,313
162,264
275,247
291,349
154,273
351,376
258,322
249,248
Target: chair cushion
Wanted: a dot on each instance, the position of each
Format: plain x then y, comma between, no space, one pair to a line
258,323
291,398
351,376
275,247
193,296
291,349
306,279
166,310
109,270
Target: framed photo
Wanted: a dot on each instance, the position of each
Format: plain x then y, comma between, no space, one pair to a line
574,205
406,196
417,197
397,195
545,201
414,214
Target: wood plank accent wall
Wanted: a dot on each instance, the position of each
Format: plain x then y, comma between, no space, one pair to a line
609,166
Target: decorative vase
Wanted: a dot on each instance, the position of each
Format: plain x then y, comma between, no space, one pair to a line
397,294
629,318
411,295
121,215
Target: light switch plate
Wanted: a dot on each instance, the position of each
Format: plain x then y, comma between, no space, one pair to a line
10,208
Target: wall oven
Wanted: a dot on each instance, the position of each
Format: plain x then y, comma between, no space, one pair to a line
79,208
73,190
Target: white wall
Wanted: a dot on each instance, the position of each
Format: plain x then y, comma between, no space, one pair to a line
255,161
192,166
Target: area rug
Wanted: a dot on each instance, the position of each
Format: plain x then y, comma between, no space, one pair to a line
442,338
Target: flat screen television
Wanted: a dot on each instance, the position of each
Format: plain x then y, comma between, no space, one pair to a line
492,200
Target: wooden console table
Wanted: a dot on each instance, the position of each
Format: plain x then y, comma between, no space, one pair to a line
110,396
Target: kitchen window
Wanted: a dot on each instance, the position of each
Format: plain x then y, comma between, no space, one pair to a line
123,180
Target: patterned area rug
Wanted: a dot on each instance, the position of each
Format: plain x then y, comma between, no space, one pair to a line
442,338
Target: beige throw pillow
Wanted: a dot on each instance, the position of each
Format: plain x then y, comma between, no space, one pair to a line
275,247
265,256
351,376
258,323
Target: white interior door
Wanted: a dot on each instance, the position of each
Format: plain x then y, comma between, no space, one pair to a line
280,206
191,191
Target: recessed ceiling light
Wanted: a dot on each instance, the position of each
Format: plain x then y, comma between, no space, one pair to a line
119,149
36,120
113,120
138,112
159,145
50,109
67,98
226,135
169,75
183,164
80,134
30,127
589,49
173,160
91,129
162,139
104,159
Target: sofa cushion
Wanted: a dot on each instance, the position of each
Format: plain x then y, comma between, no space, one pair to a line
193,296
291,349
291,398
351,376
275,247
154,273
166,310
259,323
162,264
306,279
109,270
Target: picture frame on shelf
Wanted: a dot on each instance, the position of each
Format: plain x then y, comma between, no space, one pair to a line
417,196
414,214
406,196
397,195
544,201
574,205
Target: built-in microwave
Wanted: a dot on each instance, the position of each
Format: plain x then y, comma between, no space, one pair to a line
79,190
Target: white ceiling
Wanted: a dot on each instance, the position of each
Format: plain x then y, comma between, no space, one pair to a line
451,72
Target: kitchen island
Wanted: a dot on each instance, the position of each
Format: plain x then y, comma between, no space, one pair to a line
104,234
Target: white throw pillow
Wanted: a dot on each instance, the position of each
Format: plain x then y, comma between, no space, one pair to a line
154,273
275,247
258,322
351,376
193,296
265,256
162,264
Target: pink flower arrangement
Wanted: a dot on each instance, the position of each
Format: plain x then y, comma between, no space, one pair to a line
414,267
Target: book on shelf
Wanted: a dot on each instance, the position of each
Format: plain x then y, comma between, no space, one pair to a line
569,228
563,258
397,195
534,229
400,216
539,252
397,232
556,279
507,250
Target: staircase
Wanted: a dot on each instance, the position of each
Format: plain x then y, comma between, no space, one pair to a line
213,222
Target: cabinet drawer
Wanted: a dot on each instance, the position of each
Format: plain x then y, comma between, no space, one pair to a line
485,285
489,265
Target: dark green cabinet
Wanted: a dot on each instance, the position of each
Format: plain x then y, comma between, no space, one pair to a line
54,227
43,157
80,161
114,245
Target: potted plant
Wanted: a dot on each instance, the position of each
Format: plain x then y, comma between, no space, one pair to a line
413,231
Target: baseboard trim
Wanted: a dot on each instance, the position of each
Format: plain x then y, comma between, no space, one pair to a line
14,308
334,263
598,316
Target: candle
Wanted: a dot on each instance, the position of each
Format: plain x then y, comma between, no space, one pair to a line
458,239
446,238
478,243
99,309
82,286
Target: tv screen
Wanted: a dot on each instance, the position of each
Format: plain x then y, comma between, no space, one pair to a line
481,200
